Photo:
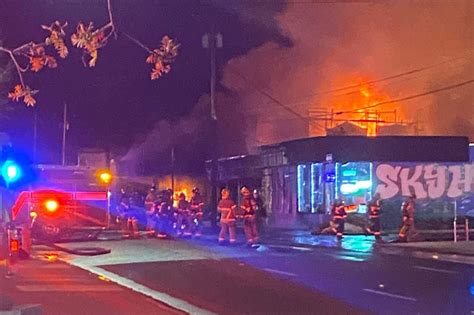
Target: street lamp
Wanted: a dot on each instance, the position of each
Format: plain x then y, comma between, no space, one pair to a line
105,176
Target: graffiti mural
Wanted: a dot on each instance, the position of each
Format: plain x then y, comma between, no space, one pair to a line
427,181
440,189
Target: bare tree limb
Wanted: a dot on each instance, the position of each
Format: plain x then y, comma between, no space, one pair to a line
19,69
136,41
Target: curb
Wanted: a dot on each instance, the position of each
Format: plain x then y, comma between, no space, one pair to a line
410,250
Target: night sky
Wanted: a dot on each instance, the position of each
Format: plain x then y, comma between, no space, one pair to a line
115,104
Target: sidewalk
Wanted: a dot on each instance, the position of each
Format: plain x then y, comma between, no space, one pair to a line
462,248
54,287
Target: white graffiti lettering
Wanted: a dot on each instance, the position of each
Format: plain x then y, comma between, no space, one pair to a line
387,175
425,180
435,178
407,182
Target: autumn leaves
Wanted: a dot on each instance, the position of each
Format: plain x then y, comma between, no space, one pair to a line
88,39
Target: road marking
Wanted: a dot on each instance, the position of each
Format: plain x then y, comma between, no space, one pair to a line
436,269
281,272
156,295
396,296
68,288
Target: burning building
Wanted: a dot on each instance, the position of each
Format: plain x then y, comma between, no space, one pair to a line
300,179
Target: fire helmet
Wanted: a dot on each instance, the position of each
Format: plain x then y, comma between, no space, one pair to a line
245,191
225,193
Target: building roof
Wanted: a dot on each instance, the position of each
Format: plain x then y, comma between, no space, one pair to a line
377,149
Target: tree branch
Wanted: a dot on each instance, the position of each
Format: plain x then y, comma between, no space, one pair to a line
19,69
109,8
136,41
111,23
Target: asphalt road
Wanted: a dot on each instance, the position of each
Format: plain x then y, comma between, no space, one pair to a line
280,277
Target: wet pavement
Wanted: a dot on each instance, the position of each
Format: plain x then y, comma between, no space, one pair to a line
347,277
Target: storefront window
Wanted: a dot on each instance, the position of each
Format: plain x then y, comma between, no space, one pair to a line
316,188
310,188
354,183
304,188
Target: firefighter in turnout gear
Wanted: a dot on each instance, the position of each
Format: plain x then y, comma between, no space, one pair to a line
197,211
128,218
165,213
408,219
151,200
226,208
374,207
183,225
248,207
339,217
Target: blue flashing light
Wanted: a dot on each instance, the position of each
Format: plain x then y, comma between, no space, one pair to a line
11,171
472,290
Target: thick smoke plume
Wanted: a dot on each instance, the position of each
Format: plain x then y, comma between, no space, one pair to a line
342,44
188,136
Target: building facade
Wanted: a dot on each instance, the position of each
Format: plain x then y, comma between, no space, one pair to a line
300,179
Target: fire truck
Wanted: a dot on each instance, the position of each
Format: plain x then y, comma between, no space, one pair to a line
63,203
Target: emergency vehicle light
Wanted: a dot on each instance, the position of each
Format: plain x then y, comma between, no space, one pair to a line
11,172
14,245
51,205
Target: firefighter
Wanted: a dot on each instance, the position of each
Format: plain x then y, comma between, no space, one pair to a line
226,208
197,211
339,217
261,211
248,207
408,218
128,218
183,216
164,214
150,207
374,225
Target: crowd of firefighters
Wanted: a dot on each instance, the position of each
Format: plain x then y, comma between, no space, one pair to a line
374,207
165,218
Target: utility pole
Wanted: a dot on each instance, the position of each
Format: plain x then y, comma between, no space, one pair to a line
35,134
65,128
172,169
213,41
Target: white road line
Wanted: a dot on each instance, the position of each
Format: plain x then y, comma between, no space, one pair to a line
396,296
436,269
156,295
281,272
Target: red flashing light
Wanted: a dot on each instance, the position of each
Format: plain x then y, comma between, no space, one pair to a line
51,205
14,245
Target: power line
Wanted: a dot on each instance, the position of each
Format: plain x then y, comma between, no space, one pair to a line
449,87
398,75
322,118
256,88
391,77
